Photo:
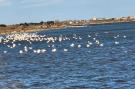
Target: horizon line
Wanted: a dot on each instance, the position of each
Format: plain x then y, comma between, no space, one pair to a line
68,19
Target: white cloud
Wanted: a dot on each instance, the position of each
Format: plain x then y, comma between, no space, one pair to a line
38,3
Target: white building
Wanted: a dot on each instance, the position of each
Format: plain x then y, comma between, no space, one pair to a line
94,18
131,17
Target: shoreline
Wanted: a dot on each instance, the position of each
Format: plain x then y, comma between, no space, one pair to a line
13,29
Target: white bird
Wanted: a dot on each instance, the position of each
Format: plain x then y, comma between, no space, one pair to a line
35,51
89,36
80,38
72,45
116,42
125,36
87,45
94,38
97,42
25,49
13,46
38,51
65,50
54,50
60,39
118,35
20,51
19,44
30,48
79,46
101,45
43,50
90,43
5,51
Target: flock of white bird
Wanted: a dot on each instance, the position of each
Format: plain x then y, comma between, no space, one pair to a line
34,37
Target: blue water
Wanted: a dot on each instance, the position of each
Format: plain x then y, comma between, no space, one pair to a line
107,66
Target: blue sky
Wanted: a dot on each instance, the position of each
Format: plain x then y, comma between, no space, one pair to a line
17,11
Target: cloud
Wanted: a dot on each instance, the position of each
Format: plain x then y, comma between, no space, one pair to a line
38,3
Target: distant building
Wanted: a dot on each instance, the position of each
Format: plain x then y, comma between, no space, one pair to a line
123,18
101,19
131,17
70,22
116,18
94,18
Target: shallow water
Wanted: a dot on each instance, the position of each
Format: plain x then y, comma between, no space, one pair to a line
106,64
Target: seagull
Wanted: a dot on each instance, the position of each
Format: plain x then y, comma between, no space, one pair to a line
43,50
38,51
97,42
25,49
65,50
72,45
79,46
89,36
35,51
54,50
125,36
30,47
116,42
5,51
94,38
101,45
89,42
115,37
87,45
20,51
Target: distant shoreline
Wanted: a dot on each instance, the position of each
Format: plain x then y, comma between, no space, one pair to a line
34,27
10,31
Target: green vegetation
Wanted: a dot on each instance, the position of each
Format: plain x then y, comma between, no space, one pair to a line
3,25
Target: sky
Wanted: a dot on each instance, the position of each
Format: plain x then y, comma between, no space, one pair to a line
19,11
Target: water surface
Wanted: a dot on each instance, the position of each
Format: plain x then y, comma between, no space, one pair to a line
102,57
